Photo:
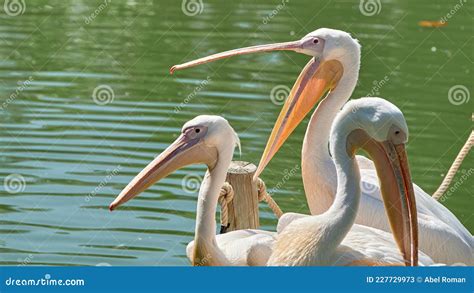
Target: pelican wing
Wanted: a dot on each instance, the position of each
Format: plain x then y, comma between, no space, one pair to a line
369,246
248,247
436,222
288,218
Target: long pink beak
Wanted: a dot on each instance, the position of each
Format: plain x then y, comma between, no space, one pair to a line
295,46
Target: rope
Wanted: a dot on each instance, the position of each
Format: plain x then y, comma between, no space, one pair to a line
226,195
454,167
264,196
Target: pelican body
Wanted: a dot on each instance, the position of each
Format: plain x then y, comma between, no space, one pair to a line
331,238
211,140
330,78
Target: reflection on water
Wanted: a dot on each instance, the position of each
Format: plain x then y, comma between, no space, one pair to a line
87,101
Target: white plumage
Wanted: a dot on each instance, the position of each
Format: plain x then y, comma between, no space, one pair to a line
445,243
209,140
442,235
247,247
332,238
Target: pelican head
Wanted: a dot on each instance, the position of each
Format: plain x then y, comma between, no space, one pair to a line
379,127
332,51
202,140
327,44
377,116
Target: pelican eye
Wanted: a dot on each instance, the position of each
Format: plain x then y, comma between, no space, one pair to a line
195,132
315,41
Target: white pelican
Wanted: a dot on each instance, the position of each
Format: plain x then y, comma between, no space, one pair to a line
334,69
332,238
209,140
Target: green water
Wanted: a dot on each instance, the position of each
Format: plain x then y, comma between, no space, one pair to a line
75,155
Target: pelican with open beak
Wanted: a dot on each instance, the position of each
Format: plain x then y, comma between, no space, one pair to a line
330,78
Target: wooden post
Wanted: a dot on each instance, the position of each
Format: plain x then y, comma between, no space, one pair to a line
243,209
